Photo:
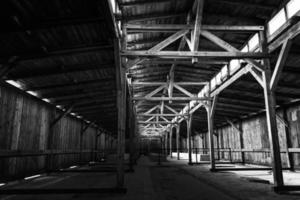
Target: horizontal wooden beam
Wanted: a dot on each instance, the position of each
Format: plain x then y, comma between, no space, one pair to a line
163,115
147,17
142,3
182,62
163,83
199,54
133,28
171,98
157,122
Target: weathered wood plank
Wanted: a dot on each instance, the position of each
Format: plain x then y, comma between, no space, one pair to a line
199,54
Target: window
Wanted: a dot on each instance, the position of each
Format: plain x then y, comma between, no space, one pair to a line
292,8
277,21
224,72
218,78
46,100
245,49
32,93
253,42
234,65
205,90
14,83
213,84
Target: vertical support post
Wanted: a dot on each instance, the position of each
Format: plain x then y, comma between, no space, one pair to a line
166,143
96,146
131,137
242,142
177,141
211,136
271,117
159,151
81,142
189,126
289,155
121,102
171,136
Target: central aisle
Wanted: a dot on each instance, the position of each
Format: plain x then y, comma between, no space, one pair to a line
166,182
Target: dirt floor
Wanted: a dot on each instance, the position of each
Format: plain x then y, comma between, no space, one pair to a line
171,180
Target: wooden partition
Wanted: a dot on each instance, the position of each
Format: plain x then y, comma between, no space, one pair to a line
25,128
255,138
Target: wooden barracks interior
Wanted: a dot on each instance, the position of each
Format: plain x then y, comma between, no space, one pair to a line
150,99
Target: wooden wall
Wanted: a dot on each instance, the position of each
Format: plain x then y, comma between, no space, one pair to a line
255,137
25,126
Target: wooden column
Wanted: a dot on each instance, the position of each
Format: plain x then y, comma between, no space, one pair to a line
166,143
121,105
189,139
290,159
211,136
271,117
241,133
171,137
178,141
131,122
96,145
81,141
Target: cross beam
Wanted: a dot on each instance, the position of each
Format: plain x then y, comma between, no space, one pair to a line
171,98
134,28
198,54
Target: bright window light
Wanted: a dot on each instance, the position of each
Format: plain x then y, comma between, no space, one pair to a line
205,90
2,184
14,83
234,65
218,78
213,83
46,100
292,8
32,177
32,93
245,49
277,21
224,72
253,42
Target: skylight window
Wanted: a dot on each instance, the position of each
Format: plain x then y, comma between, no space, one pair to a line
218,78
253,42
213,83
224,72
32,93
292,8
14,83
46,100
245,49
234,65
277,21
